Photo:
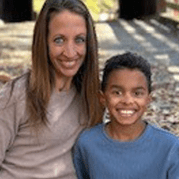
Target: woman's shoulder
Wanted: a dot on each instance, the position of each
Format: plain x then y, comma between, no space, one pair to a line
13,91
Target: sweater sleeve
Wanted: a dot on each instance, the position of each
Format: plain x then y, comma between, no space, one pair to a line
173,172
9,120
80,162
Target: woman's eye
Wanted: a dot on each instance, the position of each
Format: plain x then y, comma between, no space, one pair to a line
59,40
117,93
80,40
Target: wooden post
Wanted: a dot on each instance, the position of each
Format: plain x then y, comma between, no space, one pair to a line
16,10
149,7
161,6
130,9
1,8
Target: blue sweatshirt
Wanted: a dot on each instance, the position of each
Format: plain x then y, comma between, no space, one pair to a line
154,155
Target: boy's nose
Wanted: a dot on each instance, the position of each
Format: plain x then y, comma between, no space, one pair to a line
127,99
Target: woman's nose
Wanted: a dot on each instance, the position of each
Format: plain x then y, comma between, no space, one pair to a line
70,50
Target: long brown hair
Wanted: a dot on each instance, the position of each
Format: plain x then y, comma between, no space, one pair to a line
41,78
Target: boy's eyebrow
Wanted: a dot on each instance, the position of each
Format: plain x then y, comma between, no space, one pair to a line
140,87
135,88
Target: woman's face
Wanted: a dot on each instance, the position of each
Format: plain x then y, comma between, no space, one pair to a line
67,43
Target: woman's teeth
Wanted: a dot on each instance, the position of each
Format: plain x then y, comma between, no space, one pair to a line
68,64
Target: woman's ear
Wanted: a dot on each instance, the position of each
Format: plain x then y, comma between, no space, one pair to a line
102,98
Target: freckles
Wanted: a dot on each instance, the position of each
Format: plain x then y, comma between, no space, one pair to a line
54,51
82,50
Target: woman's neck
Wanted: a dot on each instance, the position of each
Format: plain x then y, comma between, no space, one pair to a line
63,84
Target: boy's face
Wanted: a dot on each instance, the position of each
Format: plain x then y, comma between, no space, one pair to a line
126,96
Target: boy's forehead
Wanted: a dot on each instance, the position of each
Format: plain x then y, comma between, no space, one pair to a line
123,72
126,77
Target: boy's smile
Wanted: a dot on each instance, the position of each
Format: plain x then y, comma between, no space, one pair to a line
126,97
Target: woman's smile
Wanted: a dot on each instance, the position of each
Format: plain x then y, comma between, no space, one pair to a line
67,64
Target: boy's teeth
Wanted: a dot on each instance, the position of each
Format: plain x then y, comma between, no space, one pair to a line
127,112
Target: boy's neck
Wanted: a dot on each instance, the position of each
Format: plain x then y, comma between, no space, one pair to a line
125,133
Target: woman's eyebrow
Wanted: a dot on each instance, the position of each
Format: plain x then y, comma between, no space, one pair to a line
116,86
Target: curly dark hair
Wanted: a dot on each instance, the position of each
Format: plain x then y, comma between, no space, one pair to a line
130,61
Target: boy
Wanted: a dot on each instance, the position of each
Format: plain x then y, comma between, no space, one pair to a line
126,147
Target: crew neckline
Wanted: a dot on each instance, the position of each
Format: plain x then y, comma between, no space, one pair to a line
129,144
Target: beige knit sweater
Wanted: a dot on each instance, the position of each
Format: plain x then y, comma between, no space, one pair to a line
22,154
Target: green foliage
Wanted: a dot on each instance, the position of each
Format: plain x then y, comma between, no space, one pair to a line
99,6
95,6
37,5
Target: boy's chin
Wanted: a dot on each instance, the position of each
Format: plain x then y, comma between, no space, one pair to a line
126,121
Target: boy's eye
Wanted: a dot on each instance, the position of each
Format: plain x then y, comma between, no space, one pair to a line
138,93
59,40
80,40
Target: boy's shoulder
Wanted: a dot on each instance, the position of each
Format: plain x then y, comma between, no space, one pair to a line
91,133
164,135
92,130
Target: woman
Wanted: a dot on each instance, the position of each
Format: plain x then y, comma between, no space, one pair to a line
43,111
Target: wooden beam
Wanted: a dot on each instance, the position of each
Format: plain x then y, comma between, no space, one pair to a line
173,6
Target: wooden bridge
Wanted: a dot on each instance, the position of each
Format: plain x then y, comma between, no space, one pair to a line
18,10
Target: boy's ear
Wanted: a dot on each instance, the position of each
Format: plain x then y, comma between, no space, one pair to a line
102,98
150,99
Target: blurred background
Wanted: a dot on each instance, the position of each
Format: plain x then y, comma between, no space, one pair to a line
147,27
17,10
